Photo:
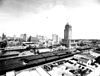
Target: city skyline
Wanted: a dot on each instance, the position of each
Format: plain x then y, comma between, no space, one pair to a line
26,36
50,17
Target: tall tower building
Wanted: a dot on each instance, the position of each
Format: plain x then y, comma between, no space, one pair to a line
67,35
67,32
55,38
23,36
4,36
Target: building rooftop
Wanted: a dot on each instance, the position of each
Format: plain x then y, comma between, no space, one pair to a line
83,60
88,56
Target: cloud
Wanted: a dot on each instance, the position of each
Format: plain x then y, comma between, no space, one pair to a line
98,1
23,6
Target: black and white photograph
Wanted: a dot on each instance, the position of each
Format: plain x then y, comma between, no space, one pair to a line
49,37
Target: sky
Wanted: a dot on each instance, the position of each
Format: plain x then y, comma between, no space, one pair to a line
47,17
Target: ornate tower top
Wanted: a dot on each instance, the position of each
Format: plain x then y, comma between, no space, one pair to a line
67,26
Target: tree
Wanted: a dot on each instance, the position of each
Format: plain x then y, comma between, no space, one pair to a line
3,44
29,39
97,60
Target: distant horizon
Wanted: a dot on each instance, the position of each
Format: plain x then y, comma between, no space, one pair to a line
51,37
